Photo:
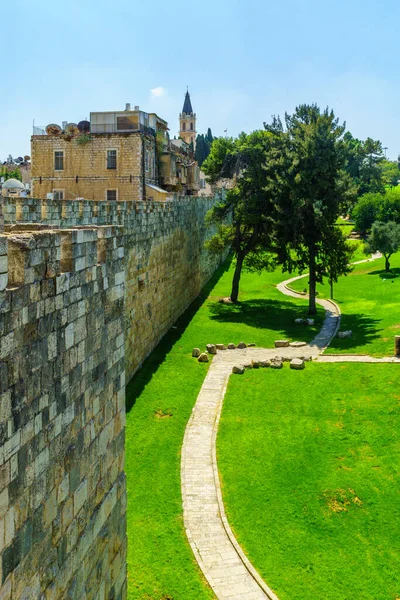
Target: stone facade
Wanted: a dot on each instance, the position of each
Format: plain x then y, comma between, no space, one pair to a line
85,173
87,289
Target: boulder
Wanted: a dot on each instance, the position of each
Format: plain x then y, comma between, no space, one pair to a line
297,364
248,364
299,321
203,357
242,345
345,334
211,349
297,344
238,369
276,363
310,321
251,345
196,352
281,343
255,364
231,346
220,346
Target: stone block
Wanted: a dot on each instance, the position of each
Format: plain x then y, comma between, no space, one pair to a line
297,364
276,364
196,352
297,344
242,345
231,346
211,349
281,343
238,369
203,357
220,346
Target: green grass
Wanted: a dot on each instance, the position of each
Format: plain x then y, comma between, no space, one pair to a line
159,402
368,299
310,465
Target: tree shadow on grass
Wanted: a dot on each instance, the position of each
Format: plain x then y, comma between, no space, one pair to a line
393,273
157,356
365,330
262,314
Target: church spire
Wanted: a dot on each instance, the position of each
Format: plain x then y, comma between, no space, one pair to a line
187,105
187,122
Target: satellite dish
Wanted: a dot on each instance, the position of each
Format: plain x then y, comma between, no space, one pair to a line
84,126
72,128
53,129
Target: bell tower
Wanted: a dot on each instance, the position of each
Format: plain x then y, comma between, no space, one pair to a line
187,122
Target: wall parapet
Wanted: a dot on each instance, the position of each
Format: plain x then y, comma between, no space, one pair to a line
72,213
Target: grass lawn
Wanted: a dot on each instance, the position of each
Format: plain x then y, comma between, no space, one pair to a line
310,463
368,299
160,398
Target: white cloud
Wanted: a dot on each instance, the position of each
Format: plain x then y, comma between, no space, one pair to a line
158,92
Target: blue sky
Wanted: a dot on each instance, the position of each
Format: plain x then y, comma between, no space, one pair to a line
243,61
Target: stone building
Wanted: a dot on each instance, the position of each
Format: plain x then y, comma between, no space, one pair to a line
111,158
179,172
187,122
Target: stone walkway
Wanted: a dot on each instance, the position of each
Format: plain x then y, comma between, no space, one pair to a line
224,564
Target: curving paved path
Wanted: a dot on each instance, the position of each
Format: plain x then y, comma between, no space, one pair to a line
220,557
224,564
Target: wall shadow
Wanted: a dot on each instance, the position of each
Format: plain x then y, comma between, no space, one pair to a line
150,365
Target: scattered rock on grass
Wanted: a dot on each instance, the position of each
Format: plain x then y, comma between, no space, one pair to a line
251,345
345,334
297,364
211,349
203,357
220,346
265,363
196,352
276,363
231,346
242,345
238,369
310,321
281,343
297,344
255,364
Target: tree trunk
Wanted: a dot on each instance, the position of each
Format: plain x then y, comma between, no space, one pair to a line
236,277
331,284
312,307
387,264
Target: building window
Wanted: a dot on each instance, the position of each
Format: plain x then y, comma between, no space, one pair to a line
183,126
58,194
111,159
191,126
59,160
111,195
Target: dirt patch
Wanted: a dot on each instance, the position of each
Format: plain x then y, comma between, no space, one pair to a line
162,414
340,500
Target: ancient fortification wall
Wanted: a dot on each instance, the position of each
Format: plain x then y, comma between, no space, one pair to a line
87,289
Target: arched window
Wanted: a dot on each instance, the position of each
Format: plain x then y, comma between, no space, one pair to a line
191,126
184,126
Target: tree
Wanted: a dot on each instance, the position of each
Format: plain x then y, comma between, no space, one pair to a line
244,218
366,211
338,254
390,173
314,190
363,163
217,165
385,238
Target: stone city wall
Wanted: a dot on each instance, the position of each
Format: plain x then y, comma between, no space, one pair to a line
166,263
62,415
87,289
